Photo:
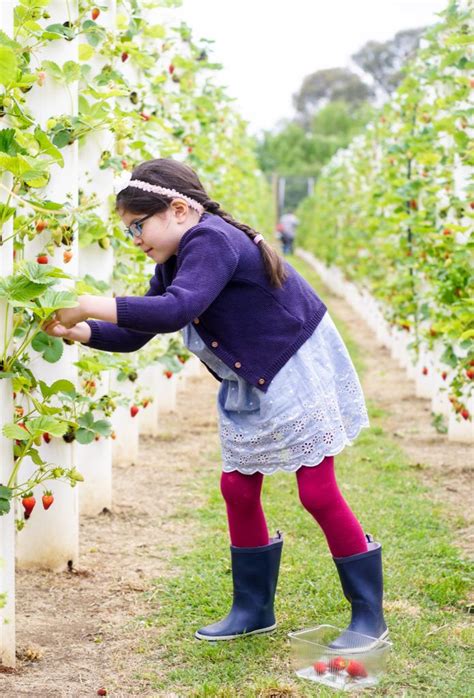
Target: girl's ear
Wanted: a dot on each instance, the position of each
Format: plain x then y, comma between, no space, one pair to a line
180,209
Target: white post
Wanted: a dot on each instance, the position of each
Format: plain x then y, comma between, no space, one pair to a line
7,521
51,538
126,426
95,459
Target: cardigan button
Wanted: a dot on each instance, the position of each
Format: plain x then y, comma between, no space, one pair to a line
196,321
214,344
261,381
238,364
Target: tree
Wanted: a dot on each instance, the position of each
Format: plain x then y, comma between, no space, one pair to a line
330,85
385,61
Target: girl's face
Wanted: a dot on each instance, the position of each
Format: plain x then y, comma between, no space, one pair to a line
163,231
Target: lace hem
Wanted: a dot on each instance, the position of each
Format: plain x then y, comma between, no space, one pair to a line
269,470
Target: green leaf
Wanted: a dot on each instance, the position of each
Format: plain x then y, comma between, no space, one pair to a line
40,425
51,300
59,386
48,147
86,51
35,456
5,492
85,436
86,420
103,427
13,431
8,65
51,348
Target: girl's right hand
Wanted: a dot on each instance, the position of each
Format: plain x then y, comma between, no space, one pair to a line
79,333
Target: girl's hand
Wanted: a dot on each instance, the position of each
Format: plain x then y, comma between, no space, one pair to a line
79,333
68,317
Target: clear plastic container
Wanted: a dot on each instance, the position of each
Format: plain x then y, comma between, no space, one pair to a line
359,666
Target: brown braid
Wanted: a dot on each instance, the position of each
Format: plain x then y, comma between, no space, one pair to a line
273,263
176,175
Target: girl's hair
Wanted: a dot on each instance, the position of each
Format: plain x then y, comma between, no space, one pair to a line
172,174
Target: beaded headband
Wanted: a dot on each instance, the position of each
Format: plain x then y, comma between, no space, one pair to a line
127,181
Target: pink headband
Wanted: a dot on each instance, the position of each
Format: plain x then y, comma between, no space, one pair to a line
258,238
126,181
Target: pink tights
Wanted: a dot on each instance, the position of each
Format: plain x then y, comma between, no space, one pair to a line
319,494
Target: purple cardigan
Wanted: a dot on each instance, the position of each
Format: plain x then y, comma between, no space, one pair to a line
217,281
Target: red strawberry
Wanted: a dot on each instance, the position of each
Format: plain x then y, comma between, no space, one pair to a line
413,204
471,82
67,256
425,371
356,669
168,374
465,414
124,56
447,231
95,13
134,410
320,667
124,164
444,375
42,259
171,69
471,204
190,150
48,499
470,373
145,116
102,692
145,403
29,504
40,226
46,437
337,664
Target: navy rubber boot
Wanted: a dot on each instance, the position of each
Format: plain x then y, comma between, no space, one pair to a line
255,576
362,583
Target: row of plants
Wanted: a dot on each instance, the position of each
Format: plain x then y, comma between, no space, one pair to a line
150,87
395,210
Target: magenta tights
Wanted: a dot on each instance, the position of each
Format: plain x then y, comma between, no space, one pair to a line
319,494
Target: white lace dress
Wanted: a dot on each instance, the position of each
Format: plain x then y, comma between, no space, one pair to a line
313,408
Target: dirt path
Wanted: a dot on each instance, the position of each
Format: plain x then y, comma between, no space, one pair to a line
85,626
79,631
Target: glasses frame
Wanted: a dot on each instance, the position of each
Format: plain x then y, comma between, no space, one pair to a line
134,230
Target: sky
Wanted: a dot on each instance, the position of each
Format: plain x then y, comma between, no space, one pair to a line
267,47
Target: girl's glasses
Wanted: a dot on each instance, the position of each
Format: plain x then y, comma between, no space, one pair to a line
135,229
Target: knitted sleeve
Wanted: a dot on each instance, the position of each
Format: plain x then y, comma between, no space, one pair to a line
206,263
108,337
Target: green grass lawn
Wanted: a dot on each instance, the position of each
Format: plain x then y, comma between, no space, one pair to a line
426,582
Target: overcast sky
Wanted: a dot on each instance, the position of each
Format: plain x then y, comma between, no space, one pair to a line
267,47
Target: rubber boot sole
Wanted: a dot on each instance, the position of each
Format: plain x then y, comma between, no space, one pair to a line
216,638
364,648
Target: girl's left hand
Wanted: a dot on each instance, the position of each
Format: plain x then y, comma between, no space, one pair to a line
68,317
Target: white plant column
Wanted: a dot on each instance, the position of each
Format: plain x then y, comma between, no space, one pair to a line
50,538
148,380
94,462
95,459
126,427
7,522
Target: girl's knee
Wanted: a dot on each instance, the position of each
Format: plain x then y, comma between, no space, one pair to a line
241,490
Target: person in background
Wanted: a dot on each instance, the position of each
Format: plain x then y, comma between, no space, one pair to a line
288,224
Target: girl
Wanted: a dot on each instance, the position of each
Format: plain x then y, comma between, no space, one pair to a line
289,398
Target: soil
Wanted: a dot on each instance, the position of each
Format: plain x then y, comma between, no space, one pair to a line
79,630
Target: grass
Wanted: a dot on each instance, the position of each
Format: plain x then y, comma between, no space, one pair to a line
426,582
